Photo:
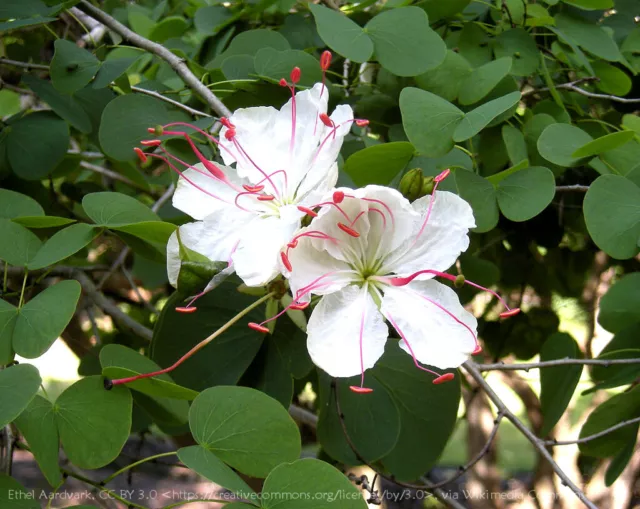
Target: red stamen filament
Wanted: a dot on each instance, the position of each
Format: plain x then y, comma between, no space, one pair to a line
437,181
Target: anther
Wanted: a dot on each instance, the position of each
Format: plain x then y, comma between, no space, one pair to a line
141,154
307,211
187,309
477,350
295,75
230,134
361,122
293,244
283,83
253,189
266,197
108,384
258,327
447,377
225,122
347,230
285,261
151,143
338,197
324,118
442,175
325,60
360,390
510,313
298,306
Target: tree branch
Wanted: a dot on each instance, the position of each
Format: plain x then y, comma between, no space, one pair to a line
176,63
24,65
602,433
500,366
113,175
538,444
178,104
576,187
573,86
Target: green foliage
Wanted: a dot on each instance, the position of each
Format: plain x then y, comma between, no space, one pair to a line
19,386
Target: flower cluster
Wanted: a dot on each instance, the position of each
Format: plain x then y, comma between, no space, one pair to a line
370,255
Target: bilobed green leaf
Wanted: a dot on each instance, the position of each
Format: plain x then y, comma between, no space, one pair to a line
14,496
557,384
36,144
38,425
35,222
631,122
22,9
520,46
121,362
620,306
429,121
603,144
481,195
43,318
222,361
311,480
446,79
8,317
14,204
154,232
612,215
64,105
116,209
423,432
209,466
477,119
526,193
616,375
378,164
94,423
63,244
275,64
615,410
111,70
23,246
558,143
515,143
589,36
19,384
404,43
611,80
125,121
245,428
72,67
372,421
483,80
341,34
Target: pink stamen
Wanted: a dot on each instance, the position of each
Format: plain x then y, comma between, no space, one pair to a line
362,389
338,197
379,202
477,350
307,211
186,309
258,327
510,313
285,261
413,355
447,377
230,134
308,288
266,197
141,155
361,122
252,189
264,174
299,306
348,231
333,204
324,118
151,143
212,168
227,123
295,75
439,178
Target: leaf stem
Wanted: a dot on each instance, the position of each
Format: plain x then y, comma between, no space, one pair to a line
24,284
133,465
195,349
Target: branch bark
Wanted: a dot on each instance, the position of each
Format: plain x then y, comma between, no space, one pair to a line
176,63
500,366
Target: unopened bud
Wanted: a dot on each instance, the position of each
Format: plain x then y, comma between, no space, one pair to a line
411,184
427,186
459,281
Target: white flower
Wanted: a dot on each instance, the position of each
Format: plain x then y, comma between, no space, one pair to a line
372,256
283,159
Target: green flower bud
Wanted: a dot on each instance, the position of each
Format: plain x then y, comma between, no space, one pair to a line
427,186
459,282
411,184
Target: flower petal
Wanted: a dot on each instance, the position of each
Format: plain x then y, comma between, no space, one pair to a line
445,236
436,338
257,257
199,194
339,325
173,259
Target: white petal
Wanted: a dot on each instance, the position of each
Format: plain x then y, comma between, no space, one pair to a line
199,194
257,258
173,259
339,325
435,337
445,236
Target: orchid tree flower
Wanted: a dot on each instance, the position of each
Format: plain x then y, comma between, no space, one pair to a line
373,256
276,162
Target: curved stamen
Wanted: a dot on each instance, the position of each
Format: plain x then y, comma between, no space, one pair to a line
436,181
212,168
264,174
330,203
379,202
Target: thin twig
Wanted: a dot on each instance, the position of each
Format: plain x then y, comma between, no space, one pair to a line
573,86
87,155
602,433
178,104
113,175
572,188
148,306
538,444
176,63
121,319
24,65
500,366
505,8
